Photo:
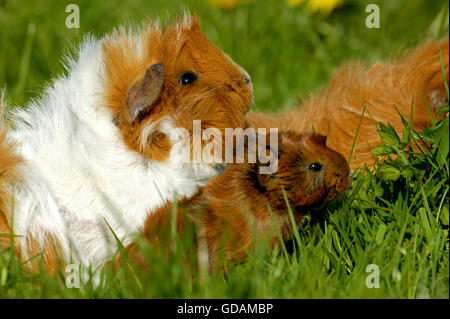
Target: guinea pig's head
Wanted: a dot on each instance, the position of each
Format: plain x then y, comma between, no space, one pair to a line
310,173
159,80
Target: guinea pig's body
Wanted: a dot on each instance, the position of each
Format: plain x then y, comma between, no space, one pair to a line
336,112
97,146
233,208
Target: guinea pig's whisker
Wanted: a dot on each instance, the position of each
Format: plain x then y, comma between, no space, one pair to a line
199,96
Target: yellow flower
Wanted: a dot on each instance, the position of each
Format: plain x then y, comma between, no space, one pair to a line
227,4
324,6
313,6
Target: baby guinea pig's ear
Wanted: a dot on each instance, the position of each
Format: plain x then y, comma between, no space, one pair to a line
320,139
265,179
145,91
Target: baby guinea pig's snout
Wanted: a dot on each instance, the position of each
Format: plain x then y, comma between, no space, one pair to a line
337,172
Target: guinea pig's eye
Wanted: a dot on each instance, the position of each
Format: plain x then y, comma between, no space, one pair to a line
187,78
316,167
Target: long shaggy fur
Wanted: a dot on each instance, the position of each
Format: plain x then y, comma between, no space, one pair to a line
9,175
77,161
231,213
336,112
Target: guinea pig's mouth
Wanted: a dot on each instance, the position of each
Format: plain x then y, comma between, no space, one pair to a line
325,200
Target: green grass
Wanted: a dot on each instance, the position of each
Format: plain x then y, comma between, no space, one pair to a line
395,217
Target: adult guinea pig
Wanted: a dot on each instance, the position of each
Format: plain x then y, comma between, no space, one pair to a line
98,144
227,210
416,79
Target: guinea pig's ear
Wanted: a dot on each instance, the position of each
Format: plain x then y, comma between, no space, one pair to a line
145,91
265,178
320,139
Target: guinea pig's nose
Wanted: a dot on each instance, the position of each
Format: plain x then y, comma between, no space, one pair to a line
241,75
247,78
243,79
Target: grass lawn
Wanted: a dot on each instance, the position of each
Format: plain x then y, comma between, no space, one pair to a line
398,224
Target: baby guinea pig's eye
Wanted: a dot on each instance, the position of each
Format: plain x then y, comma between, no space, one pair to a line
316,167
187,78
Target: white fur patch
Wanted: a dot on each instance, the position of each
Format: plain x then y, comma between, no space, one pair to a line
79,173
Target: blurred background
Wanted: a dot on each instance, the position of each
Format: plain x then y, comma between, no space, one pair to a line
289,47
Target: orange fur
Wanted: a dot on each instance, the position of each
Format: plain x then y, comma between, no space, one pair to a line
336,111
8,176
219,98
230,205
46,252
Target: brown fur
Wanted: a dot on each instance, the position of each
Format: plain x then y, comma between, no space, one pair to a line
219,98
46,252
336,111
231,204
8,176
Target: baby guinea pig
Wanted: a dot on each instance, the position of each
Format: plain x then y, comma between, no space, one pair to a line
227,211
